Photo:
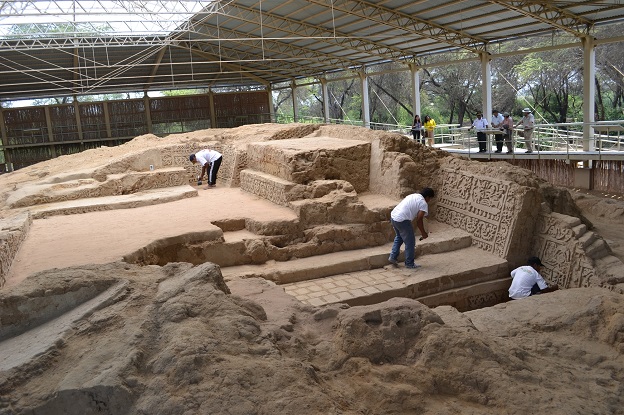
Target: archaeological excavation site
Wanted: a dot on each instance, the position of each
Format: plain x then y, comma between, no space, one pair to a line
127,288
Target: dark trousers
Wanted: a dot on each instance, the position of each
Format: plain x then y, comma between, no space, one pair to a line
499,142
416,134
482,144
214,169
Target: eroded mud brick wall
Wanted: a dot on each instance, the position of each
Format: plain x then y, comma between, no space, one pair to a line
13,232
306,159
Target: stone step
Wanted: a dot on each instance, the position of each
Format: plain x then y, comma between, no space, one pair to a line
587,239
88,187
579,230
92,204
438,280
612,266
598,249
443,239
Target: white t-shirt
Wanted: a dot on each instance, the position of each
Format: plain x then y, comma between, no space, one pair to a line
409,207
207,156
524,278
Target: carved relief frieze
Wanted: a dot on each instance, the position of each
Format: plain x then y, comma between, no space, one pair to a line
566,262
264,188
481,206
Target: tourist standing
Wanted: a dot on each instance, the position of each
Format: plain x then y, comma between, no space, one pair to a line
528,124
210,161
417,129
412,206
429,125
508,131
481,124
497,122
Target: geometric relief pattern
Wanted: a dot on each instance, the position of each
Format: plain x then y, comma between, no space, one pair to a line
475,302
480,206
261,186
564,258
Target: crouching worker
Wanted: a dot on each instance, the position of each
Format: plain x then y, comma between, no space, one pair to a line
210,161
527,281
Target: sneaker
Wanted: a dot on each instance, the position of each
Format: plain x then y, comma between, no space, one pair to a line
510,152
415,266
498,151
393,262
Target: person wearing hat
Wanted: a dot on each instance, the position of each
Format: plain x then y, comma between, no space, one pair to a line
507,127
481,124
210,161
497,122
528,123
527,281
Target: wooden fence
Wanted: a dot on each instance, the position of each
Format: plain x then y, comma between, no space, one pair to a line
34,134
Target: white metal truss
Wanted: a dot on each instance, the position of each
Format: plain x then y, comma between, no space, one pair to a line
74,47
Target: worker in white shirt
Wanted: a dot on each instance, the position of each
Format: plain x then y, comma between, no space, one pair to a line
210,161
481,124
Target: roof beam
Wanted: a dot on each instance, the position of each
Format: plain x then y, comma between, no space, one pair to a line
549,13
405,22
213,34
302,29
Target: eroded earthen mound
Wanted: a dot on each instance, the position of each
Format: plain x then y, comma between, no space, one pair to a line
175,340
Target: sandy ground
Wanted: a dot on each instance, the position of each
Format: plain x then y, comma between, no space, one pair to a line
61,241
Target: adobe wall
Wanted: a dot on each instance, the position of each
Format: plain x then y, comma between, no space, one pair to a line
13,232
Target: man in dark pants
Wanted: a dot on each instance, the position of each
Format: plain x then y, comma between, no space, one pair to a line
481,124
210,161
414,206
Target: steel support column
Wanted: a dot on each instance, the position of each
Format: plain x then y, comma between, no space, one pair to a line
486,85
325,100
415,72
365,102
293,92
589,91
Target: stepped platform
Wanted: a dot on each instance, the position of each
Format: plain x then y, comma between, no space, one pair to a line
134,200
466,279
452,272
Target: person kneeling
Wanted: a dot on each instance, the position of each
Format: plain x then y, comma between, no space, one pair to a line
527,280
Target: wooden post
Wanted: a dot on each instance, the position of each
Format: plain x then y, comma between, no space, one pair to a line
78,123
109,132
50,132
5,142
148,113
213,117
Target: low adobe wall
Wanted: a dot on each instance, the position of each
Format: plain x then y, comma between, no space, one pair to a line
13,232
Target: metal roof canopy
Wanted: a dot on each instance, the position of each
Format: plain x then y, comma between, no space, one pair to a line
248,42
